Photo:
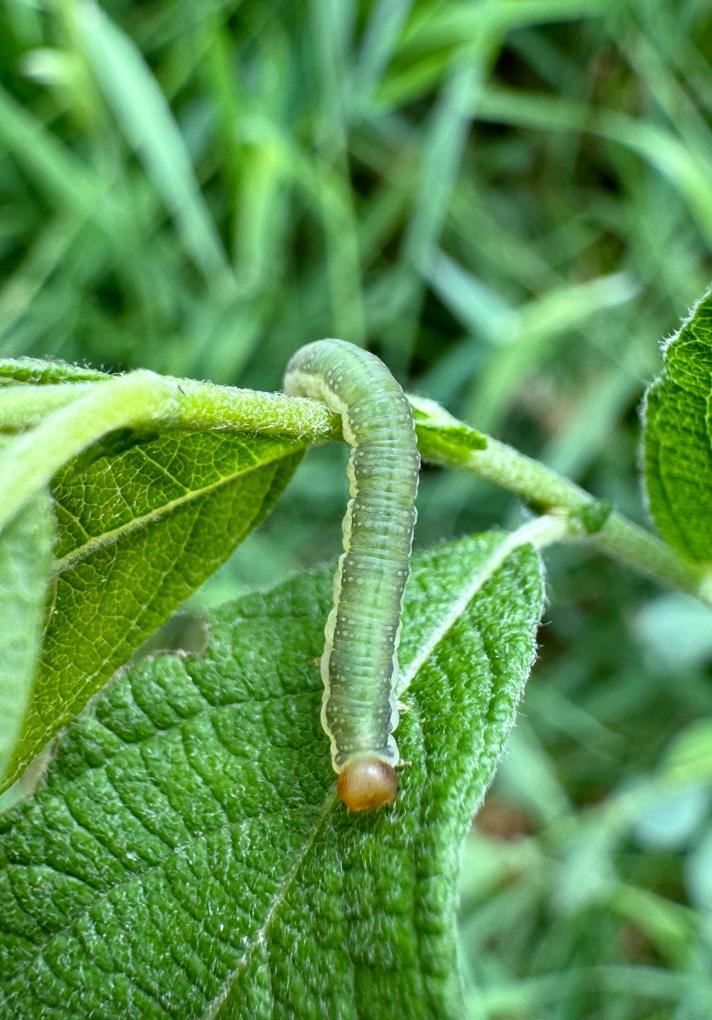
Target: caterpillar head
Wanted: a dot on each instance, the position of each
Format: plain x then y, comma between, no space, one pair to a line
366,783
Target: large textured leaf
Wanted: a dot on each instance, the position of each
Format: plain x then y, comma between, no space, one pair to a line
187,856
138,530
678,438
25,565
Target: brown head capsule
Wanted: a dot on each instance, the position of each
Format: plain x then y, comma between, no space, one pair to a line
367,783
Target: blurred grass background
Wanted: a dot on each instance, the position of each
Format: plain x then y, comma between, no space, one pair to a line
511,202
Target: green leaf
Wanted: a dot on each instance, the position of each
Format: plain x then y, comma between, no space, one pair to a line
442,435
139,529
187,855
25,565
593,516
678,433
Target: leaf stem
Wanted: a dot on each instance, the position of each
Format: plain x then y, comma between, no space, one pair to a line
617,536
196,405
539,531
202,405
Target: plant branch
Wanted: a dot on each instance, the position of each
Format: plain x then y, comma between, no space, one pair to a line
540,485
195,405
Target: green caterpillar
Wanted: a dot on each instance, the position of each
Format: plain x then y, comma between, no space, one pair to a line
359,665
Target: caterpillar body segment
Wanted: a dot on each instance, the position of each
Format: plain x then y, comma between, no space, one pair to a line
359,665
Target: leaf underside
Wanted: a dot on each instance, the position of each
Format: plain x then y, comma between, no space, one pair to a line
25,565
187,857
139,530
678,438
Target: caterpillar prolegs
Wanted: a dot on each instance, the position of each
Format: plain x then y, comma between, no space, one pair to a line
359,665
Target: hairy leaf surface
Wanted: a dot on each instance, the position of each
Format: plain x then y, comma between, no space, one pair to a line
25,565
142,522
187,856
678,438
45,373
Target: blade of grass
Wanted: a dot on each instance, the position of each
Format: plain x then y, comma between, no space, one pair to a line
150,129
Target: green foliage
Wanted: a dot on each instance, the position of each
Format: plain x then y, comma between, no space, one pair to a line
518,237
198,862
25,565
145,513
145,119
468,187
138,531
678,434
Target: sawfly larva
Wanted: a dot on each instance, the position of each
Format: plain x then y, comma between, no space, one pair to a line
359,665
